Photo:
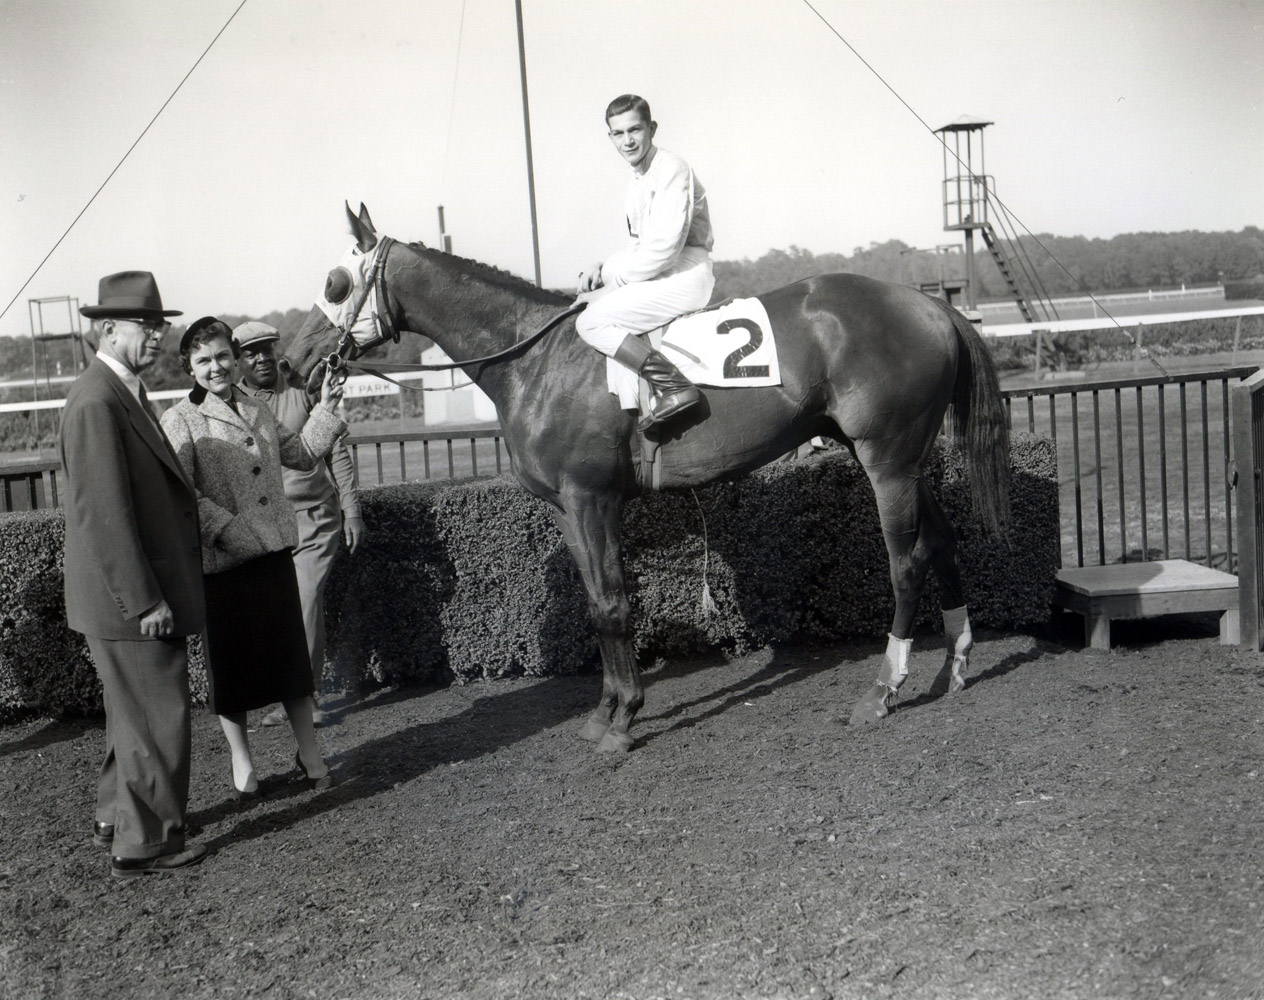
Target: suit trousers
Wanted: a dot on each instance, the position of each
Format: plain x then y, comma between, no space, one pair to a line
143,787
319,538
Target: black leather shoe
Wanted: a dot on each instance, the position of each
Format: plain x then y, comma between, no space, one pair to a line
249,794
325,781
102,834
164,864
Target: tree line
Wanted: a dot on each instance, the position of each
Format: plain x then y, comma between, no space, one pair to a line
1064,265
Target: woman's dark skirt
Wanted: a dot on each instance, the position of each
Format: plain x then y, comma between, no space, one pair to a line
254,644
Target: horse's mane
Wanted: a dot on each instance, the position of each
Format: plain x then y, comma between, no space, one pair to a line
498,277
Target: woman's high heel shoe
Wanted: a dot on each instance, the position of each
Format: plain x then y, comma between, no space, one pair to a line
325,781
251,792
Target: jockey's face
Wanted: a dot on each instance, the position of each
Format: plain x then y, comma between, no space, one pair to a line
633,138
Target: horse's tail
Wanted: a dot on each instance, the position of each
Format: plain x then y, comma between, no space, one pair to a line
980,424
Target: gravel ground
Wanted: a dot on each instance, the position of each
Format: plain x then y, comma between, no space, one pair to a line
1073,825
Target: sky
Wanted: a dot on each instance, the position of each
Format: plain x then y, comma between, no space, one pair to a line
1110,116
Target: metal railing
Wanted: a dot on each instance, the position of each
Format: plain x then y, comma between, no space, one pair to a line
1142,464
30,485
457,451
467,452
1246,473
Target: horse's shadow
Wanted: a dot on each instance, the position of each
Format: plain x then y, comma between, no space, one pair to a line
52,731
490,724
1042,650
785,667
383,762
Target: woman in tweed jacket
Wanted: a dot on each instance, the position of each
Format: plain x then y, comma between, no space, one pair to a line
232,448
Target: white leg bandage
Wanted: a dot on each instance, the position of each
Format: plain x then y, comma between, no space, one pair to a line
959,640
895,665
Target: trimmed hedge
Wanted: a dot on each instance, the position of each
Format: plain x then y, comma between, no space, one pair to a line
467,580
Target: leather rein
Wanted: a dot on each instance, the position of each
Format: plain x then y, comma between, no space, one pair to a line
342,359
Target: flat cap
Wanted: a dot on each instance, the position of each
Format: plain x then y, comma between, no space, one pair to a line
253,332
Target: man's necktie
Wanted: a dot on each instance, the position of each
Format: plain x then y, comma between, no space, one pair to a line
144,402
144,405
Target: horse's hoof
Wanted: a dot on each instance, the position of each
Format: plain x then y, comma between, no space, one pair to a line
946,683
949,680
872,707
593,729
613,742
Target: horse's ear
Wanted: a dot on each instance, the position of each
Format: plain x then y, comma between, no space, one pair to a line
362,228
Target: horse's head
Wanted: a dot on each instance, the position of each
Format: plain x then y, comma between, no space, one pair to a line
381,288
351,316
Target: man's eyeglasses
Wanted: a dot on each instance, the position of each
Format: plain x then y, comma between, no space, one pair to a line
151,327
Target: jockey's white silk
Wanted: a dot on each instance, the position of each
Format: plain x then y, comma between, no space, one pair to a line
358,265
731,347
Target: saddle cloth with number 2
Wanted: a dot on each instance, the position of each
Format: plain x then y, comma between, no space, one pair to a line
730,346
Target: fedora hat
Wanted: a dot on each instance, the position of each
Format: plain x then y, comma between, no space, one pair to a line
128,295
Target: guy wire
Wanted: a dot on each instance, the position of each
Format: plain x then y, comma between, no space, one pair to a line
125,156
974,178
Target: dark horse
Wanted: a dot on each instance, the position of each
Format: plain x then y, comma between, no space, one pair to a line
871,364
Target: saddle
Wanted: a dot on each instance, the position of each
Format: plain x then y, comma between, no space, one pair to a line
729,345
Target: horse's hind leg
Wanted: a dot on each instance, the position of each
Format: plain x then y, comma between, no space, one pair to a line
591,528
919,538
942,541
901,496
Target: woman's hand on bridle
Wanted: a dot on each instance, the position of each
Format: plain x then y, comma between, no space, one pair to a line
331,389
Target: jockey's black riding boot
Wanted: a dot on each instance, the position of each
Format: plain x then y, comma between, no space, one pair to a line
673,393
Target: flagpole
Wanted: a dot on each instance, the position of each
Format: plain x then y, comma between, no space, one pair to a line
526,126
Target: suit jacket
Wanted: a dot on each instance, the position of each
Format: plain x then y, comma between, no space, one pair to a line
234,460
131,515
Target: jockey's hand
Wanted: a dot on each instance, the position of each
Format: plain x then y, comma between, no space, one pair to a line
590,280
332,388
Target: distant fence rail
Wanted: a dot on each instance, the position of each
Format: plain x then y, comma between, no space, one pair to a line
1144,464
1201,293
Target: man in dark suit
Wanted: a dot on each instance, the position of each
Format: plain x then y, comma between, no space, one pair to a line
133,573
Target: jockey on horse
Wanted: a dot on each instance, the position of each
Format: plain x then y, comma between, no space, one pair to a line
664,273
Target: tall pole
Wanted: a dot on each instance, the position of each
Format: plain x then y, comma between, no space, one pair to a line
526,127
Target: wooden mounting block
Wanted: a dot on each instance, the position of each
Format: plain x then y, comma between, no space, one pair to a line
1143,590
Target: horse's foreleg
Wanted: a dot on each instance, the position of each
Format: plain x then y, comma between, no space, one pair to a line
591,529
899,496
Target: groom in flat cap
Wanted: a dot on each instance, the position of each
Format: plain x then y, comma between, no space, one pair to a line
133,571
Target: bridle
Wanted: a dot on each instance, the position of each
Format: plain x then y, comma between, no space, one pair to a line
342,358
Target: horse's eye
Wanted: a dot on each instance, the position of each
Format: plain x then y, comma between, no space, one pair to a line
338,285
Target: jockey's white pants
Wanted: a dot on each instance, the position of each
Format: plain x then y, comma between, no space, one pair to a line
614,312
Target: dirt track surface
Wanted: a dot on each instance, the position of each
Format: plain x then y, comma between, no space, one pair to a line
1072,825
